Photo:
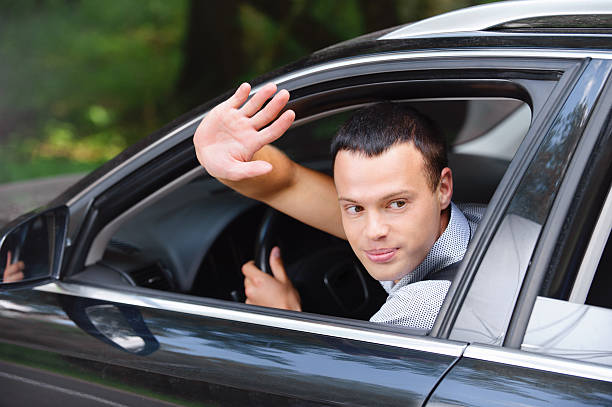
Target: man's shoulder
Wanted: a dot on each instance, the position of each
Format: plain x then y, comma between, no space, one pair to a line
473,212
415,305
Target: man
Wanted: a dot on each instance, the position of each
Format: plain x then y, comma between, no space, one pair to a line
390,197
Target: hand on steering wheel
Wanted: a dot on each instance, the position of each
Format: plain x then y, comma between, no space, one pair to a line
266,282
274,290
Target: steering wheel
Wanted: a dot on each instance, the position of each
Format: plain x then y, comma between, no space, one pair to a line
263,246
264,241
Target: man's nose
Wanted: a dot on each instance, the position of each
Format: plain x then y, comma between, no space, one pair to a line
376,228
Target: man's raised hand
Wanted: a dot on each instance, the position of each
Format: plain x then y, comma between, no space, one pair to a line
233,131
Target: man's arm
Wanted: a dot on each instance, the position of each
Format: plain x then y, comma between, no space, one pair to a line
232,144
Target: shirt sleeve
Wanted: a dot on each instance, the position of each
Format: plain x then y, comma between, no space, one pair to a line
415,305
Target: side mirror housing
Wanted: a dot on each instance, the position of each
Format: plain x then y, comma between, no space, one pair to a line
31,247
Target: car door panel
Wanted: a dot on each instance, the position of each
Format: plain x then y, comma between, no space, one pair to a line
199,358
478,382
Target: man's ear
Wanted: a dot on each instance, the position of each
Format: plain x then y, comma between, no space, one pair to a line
445,188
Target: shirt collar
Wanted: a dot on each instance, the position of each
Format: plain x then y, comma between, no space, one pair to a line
448,249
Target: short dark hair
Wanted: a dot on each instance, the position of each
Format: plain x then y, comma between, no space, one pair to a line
372,130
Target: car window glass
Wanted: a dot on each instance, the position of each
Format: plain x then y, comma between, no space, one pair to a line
489,304
563,328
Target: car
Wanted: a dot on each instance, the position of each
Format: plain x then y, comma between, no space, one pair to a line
133,294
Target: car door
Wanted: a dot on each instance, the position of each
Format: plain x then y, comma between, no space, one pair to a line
534,337
190,350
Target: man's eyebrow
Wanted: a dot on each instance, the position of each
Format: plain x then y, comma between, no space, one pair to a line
394,194
384,198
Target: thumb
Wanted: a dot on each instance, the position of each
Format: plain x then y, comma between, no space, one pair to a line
276,264
8,259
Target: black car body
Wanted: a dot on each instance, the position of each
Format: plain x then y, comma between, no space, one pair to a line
133,302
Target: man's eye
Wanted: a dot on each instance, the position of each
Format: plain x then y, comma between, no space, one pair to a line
397,204
354,209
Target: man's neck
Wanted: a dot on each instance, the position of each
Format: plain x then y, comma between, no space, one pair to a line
444,219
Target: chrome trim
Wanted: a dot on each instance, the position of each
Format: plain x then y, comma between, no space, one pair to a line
97,248
538,362
593,253
479,18
469,53
423,344
481,53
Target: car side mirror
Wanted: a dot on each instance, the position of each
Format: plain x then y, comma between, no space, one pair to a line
31,247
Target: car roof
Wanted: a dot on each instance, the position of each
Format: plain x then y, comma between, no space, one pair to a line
510,14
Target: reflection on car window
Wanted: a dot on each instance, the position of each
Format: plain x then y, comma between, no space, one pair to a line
564,328
530,205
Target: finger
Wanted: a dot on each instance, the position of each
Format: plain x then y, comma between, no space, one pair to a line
248,291
277,129
12,274
256,102
250,169
276,264
8,259
246,267
240,96
251,271
272,109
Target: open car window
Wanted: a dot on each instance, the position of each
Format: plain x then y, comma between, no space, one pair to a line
192,236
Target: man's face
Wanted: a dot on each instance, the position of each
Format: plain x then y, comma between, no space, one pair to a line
390,214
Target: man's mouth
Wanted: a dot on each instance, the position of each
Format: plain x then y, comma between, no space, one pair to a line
381,255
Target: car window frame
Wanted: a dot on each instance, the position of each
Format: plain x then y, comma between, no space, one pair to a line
548,69
551,238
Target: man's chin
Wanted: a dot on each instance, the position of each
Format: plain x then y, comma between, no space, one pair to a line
387,272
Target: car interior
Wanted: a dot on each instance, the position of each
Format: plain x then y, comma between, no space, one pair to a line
193,235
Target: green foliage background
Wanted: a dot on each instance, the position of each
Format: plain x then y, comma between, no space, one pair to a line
82,79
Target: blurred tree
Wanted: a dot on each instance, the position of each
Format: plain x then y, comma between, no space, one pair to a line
212,50
82,79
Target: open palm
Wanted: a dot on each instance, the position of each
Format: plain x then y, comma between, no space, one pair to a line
233,131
